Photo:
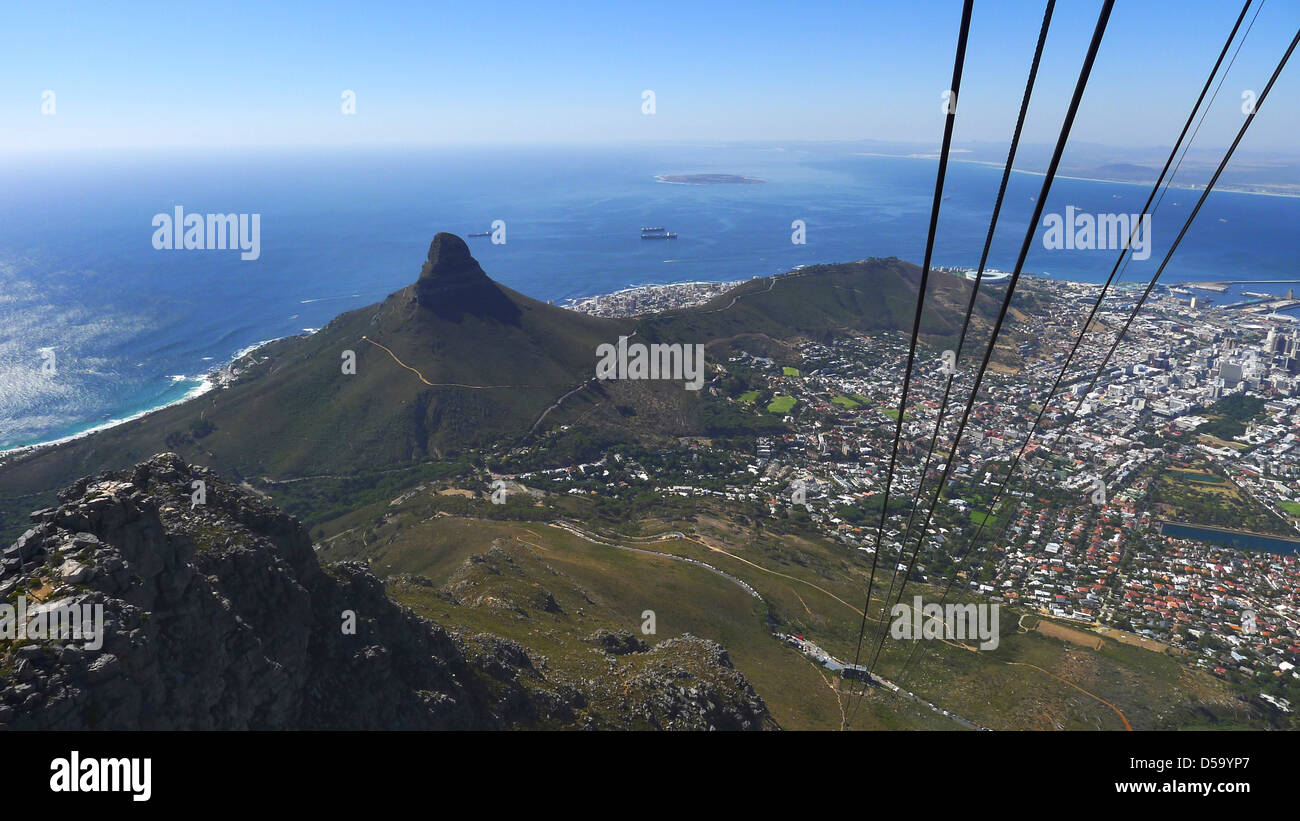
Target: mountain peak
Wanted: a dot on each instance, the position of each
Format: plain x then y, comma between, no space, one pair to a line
450,259
453,284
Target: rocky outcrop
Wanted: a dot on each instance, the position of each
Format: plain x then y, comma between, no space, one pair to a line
689,683
618,643
217,615
453,284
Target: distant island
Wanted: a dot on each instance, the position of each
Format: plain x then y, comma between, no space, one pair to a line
708,179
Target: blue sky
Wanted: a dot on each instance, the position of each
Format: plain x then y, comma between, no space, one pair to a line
229,75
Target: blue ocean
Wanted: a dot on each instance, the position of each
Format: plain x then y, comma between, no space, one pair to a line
130,328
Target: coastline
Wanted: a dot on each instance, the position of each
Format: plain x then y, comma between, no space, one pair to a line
214,379
219,376
569,301
650,298
1226,189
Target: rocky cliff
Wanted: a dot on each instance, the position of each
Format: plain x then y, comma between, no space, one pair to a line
217,615
453,284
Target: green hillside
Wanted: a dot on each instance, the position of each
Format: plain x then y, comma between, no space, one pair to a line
456,361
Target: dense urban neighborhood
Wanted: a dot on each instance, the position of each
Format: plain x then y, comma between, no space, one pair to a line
1160,502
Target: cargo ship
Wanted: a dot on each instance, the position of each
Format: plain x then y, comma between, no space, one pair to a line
657,233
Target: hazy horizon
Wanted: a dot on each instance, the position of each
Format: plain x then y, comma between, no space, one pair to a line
245,77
